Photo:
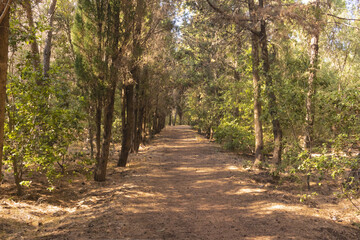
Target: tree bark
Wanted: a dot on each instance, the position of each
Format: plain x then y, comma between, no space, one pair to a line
314,52
259,144
101,166
47,49
17,174
273,108
180,116
175,116
132,104
170,118
128,123
4,43
98,118
34,45
91,133
139,127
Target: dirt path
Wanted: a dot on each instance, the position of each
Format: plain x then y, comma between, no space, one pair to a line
182,187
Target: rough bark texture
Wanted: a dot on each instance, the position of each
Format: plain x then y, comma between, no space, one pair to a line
17,175
170,118
4,33
139,129
101,166
91,135
98,118
309,119
100,68
128,123
259,144
34,45
314,52
47,49
273,108
130,129
136,75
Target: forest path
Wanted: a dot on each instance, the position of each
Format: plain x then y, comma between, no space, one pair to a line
183,187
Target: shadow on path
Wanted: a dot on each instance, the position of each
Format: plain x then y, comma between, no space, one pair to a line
182,187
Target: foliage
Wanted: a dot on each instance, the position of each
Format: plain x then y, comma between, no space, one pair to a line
41,124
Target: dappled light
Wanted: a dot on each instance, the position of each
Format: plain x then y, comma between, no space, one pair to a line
179,119
181,190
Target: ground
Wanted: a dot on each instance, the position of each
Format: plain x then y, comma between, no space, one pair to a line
178,187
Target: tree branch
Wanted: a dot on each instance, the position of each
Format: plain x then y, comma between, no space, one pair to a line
236,19
5,10
342,18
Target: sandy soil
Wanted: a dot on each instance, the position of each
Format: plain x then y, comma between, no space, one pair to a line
179,187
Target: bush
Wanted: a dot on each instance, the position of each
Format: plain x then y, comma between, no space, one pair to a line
234,136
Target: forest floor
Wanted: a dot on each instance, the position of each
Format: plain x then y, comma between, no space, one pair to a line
178,187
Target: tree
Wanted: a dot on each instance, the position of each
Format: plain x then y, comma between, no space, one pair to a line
100,73
270,90
4,33
41,123
259,39
147,24
314,52
255,41
129,119
49,34
114,37
33,40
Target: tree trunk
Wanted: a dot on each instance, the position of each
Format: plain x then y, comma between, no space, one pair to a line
98,118
144,133
101,166
154,123
137,108
47,49
259,144
180,116
4,33
314,52
91,136
175,116
273,108
34,45
128,123
170,118
139,128
17,174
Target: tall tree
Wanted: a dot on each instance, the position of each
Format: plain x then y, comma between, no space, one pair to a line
49,35
270,90
4,43
255,43
129,120
109,100
256,38
313,67
90,32
32,33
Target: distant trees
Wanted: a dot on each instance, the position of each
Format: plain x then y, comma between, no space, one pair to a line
239,71
256,24
122,33
69,62
266,50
